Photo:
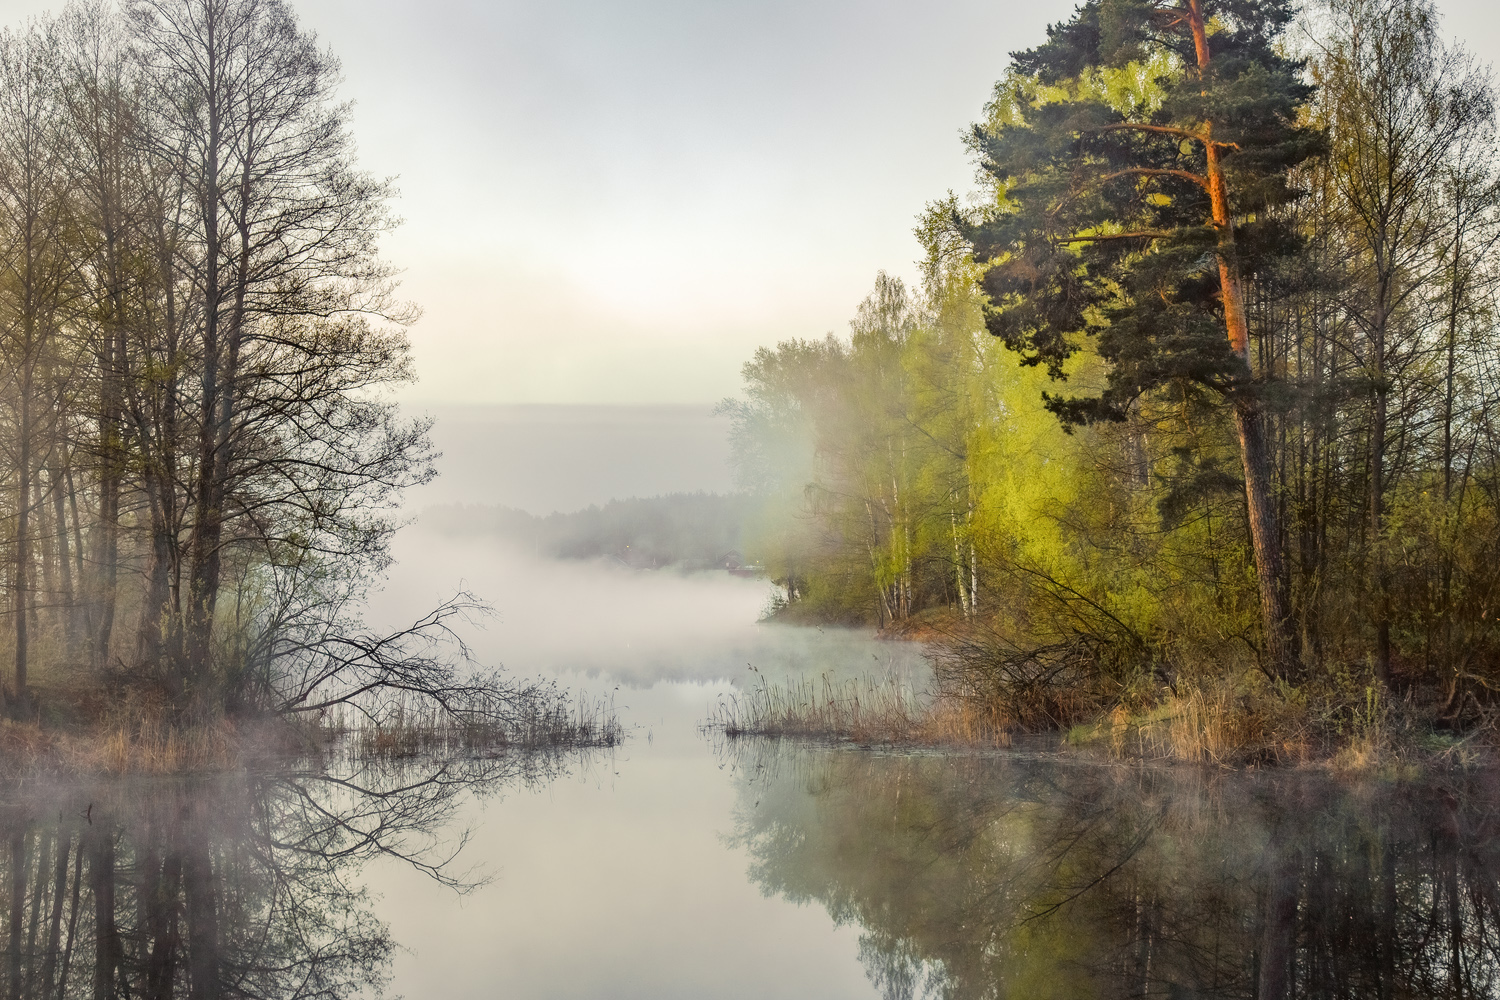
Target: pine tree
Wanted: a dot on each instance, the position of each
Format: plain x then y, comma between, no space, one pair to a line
1137,155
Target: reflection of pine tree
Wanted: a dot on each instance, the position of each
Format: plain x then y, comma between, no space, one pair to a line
989,877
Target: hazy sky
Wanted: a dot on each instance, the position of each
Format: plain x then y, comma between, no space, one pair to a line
617,202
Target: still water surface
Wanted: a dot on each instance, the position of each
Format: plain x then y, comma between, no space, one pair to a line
680,866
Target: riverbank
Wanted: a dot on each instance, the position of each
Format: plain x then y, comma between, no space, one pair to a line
76,732
1252,725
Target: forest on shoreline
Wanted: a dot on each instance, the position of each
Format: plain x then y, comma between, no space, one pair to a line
1195,403
201,462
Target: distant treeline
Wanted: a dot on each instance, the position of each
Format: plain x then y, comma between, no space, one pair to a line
1205,376
683,530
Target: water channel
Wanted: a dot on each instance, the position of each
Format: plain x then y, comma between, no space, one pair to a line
680,865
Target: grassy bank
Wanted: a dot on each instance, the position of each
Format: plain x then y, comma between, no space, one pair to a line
1250,723
90,732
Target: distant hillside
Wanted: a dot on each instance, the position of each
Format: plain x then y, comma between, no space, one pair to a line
686,530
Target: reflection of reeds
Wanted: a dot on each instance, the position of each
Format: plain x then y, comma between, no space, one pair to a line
861,710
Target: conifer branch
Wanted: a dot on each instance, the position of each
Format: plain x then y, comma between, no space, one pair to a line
1147,234
1158,172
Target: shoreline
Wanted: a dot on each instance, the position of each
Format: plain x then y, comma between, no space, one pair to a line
1244,725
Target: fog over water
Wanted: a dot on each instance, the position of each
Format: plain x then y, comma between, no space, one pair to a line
615,880
589,617
684,865
625,859
542,458
581,618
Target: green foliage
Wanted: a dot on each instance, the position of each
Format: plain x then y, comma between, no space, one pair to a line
1098,144
915,474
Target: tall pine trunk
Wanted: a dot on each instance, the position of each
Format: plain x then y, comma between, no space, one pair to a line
1249,421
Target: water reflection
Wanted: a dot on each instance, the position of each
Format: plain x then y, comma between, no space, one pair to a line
1000,877
243,885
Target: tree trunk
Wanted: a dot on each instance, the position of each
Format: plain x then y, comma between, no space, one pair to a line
19,863
203,544
111,467
21,605
67,609
107,950
1378,421
1249,422
54,927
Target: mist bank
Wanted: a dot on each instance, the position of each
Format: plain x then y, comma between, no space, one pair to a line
687,531
584,619
546,458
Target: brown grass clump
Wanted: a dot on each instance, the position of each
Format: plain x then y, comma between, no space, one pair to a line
1346,724
132,731
1226,725
414,730
1205,726
157,747
149,747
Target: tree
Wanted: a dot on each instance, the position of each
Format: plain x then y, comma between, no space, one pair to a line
277,250
1405,112
1142,142
35,273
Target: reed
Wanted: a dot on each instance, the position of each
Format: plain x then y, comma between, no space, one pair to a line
866,710
414,728
138,734
148,747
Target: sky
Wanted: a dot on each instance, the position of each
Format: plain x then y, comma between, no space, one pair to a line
614,202
611,202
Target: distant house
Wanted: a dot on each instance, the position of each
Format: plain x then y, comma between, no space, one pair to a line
734,562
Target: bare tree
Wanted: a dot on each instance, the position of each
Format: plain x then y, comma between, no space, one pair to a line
1400,106
36,272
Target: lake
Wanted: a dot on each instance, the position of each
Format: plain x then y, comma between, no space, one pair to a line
684,865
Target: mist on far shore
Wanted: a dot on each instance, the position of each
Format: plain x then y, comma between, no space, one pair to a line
545,458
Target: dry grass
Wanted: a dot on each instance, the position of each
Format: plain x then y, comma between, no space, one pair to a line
861,710
1224,726
155,747
1351,728
1198,727
134,733
150,747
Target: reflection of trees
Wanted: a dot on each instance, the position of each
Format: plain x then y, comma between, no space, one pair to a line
997,877
225,887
